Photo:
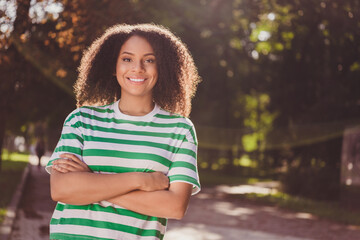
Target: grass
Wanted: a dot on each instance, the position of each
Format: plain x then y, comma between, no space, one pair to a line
326,210
213,178
10,175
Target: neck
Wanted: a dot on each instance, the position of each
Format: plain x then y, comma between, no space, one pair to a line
136,106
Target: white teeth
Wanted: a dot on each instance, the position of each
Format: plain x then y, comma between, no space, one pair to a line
137,79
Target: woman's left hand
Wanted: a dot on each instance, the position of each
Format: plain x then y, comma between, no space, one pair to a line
70,163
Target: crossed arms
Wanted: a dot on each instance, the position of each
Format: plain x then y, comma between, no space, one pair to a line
72,182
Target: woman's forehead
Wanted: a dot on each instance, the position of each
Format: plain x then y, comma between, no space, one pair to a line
137,45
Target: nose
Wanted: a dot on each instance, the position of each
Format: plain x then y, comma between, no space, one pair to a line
138,66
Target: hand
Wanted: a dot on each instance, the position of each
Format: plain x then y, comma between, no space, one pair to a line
155,181
70,163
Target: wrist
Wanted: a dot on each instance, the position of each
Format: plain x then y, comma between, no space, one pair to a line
139,180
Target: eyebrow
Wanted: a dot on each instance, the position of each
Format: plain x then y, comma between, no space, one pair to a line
147,54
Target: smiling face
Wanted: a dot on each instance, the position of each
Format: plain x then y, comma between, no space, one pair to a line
136,69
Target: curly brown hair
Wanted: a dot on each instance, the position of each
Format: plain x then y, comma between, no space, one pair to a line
177,74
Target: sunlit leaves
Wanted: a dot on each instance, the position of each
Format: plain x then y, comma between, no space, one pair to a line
259,119
235,43
355,66
287,37
61,73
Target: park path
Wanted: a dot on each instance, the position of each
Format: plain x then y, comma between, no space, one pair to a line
211,216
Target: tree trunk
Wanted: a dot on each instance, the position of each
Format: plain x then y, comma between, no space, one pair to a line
21,24
2,132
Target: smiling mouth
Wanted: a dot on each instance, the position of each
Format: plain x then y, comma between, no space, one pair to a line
136,79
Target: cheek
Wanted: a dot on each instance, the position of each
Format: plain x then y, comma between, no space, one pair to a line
154,72
120,68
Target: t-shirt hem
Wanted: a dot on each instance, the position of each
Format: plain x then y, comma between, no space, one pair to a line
48,168
196,189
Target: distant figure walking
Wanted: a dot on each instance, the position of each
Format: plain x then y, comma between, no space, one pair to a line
40,150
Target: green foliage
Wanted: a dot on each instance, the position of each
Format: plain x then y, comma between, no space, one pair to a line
277,75
312,182
12,169
213,178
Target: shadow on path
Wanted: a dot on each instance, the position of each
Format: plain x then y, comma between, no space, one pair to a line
215,216
36,207
211,216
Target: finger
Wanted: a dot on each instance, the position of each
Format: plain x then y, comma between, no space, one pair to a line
67,161
70,156
73,157
75,167
59,169
68,167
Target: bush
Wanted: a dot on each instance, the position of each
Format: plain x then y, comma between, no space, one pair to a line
315,183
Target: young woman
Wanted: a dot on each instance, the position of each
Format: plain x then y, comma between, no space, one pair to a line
126,158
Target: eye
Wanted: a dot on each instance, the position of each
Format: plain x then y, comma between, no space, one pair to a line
126,60
150,60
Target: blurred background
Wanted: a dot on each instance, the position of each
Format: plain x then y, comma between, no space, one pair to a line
279,102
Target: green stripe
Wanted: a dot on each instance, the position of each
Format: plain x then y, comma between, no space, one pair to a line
100,110
129,155
129,132
110,209
115,169
172,116
137,123
69,149
141,143
106,225
112,169
184,178
192,132
69,118
187,152
77,112
183,164
67,236
50,163
72,136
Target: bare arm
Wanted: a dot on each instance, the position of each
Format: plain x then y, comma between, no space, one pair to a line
170,203
72,182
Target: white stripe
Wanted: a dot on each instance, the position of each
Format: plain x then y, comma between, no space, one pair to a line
189,145
96,232
163,140
155,119
184,158
110,217
68,129
132,127
123,162
70,142
183,171
128,148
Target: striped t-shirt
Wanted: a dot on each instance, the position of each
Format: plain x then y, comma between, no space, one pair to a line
109,141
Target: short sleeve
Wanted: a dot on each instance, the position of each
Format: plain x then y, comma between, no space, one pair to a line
71,140
184,163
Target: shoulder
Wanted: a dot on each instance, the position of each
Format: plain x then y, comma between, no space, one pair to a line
174,118
81,113
184,123
101,109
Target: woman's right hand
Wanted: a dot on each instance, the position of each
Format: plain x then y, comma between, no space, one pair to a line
70,163
155,181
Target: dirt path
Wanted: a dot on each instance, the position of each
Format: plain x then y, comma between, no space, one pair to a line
35,209
213,216
210,216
